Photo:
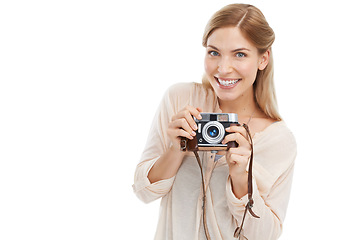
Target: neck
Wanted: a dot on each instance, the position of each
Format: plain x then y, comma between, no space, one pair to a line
244,106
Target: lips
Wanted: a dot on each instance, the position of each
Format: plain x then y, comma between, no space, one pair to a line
227,82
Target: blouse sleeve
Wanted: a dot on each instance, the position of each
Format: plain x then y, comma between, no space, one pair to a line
270,207
157,143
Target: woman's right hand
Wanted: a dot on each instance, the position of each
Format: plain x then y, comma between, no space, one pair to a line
183,125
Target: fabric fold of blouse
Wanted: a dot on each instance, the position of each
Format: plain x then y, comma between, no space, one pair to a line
181,204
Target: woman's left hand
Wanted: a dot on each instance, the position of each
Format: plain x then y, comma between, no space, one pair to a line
237,158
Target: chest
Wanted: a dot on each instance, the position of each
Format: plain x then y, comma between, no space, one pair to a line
188,179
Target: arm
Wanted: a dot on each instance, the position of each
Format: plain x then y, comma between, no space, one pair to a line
156,145
180,126
273,171
271,208
162,157
167,165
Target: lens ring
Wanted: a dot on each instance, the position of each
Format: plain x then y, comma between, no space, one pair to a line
216,139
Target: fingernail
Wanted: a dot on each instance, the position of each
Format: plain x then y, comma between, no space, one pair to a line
193,133
227,129
199,116
195,127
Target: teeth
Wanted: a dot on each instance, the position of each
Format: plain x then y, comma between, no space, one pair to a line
228,82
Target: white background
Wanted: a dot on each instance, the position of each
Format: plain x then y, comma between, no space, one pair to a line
80,82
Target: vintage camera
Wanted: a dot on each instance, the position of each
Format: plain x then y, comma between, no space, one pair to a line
211,132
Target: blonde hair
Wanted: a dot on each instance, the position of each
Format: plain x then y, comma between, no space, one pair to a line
252,23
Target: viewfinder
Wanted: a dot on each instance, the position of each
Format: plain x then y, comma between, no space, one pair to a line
223,118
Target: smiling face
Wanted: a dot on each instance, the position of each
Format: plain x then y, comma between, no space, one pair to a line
231,64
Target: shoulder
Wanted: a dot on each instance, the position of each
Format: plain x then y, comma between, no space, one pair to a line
284,135
185,88
277,142
182,94
278,132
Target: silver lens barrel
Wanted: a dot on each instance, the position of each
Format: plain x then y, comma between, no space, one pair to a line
216,126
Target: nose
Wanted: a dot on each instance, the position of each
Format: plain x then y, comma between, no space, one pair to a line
224,65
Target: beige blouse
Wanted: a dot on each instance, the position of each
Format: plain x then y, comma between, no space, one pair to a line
181,203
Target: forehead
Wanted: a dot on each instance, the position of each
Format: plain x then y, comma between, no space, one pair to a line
229,38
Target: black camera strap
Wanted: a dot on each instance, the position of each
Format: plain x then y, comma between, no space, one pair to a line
249,205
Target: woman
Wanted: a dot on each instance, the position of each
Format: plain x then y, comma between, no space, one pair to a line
238,79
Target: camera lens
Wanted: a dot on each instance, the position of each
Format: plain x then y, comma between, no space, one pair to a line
213,131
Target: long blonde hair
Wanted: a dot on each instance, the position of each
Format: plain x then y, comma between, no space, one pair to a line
252,23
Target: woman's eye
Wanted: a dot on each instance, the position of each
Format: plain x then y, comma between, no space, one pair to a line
213,53
240,55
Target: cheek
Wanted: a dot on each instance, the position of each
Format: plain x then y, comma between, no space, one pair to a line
248,69
210,66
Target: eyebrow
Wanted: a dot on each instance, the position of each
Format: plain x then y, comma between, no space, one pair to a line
235,50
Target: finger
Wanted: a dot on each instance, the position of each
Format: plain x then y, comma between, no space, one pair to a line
188,112
237,137
185,115
194,111
179,133
237,159
242,151
182,124
190,120
177,116
238,129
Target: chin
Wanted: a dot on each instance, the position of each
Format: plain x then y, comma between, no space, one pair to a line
226,96
227,99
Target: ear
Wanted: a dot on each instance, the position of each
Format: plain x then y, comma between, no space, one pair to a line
264,60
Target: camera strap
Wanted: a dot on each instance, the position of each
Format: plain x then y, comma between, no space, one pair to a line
206,230
249,205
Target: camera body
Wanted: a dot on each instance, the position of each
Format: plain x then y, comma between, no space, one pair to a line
211,132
